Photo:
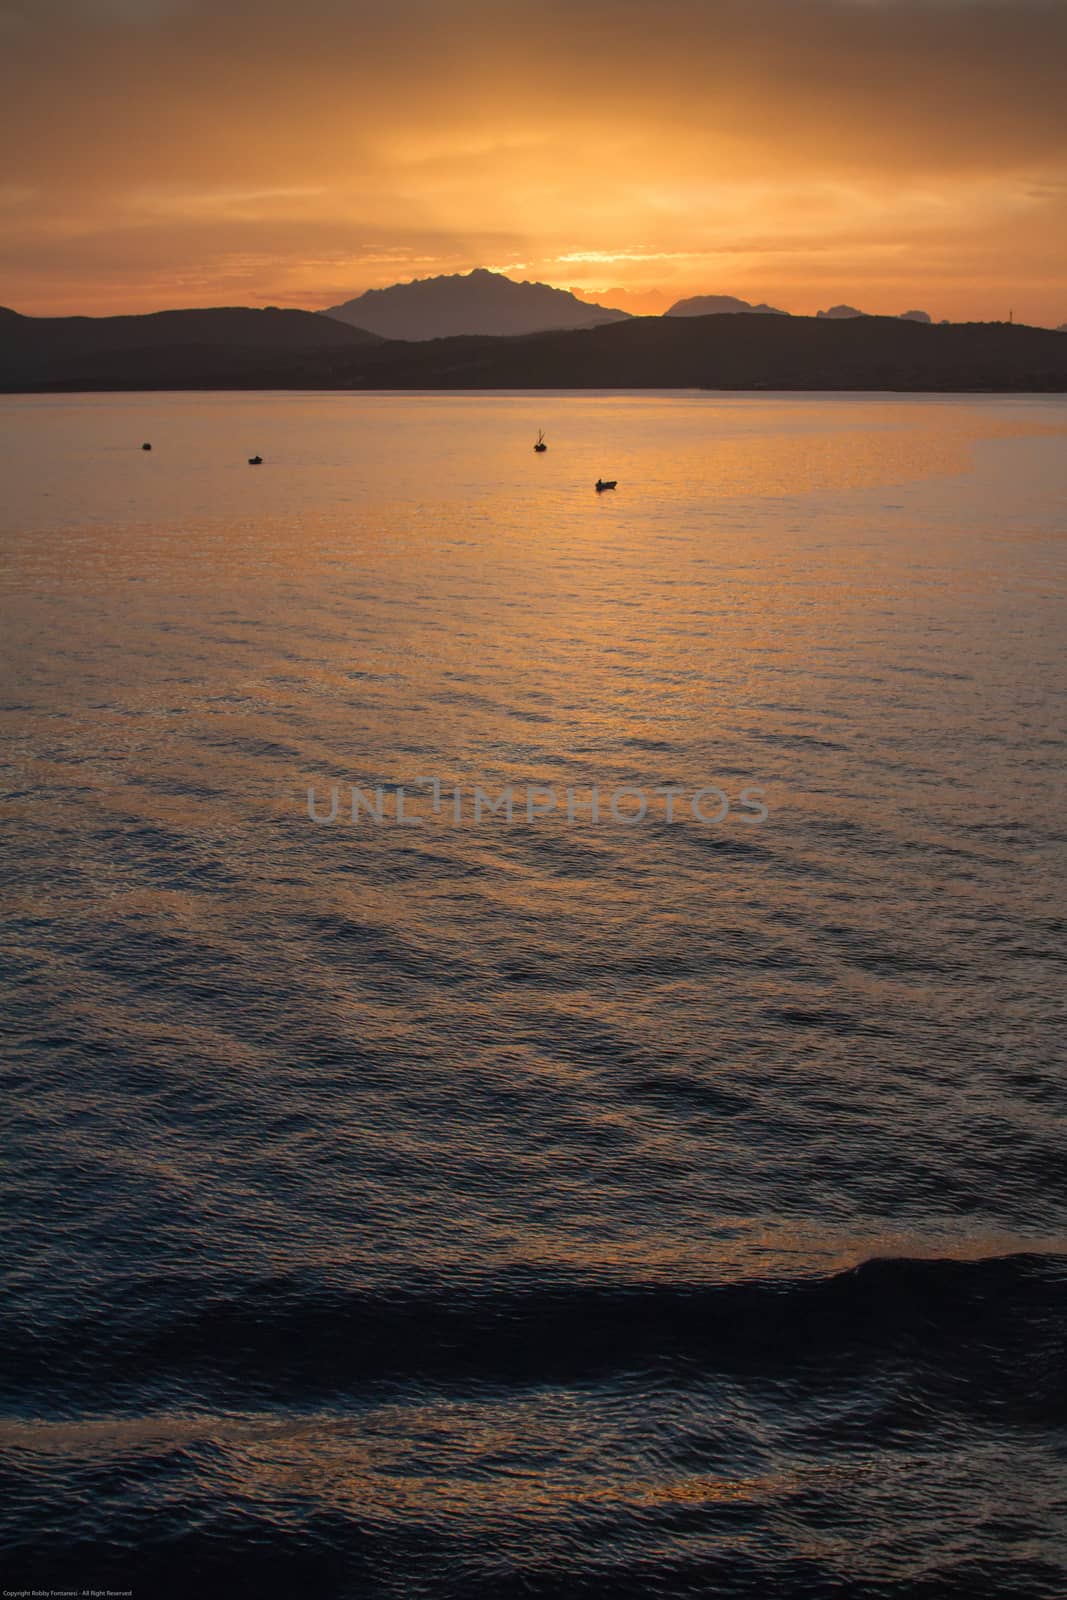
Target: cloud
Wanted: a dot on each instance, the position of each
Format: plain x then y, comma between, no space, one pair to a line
665,148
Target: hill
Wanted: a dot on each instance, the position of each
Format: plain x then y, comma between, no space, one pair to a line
478,302
734,352
718,352
223,346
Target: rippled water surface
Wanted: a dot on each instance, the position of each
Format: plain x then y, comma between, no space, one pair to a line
534,1207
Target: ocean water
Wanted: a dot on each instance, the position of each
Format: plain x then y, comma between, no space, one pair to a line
532,1206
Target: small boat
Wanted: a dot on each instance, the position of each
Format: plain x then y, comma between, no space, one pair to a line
603,483
540,445
146,447
255,461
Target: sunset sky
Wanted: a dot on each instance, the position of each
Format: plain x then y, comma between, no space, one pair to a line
889,153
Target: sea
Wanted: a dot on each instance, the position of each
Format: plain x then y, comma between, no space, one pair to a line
534,1017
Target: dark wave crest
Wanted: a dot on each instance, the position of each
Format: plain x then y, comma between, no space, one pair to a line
968,1329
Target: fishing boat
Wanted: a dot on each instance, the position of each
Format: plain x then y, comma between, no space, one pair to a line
540,445
603,483
255,461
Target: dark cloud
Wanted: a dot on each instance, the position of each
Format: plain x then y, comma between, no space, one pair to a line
926,83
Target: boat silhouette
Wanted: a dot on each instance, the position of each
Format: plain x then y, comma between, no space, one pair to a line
604,483
255,461
540,445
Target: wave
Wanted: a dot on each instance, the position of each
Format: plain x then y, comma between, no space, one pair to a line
994,1326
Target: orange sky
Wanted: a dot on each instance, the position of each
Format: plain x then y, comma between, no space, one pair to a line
889,153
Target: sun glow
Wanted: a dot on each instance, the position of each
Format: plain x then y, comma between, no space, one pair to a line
688,163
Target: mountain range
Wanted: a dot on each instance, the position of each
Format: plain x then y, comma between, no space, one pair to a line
244,349
485,302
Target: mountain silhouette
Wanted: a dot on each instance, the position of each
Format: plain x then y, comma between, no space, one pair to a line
916,316
709,305
840,313
478,302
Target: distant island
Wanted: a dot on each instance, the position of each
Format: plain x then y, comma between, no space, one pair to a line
478,302
272,349
710,305
843,313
